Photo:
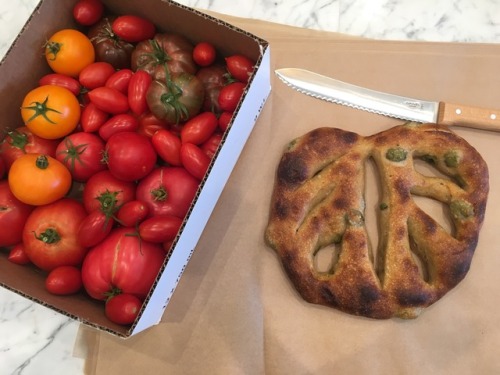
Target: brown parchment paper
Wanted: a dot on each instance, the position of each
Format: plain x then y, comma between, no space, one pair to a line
235,312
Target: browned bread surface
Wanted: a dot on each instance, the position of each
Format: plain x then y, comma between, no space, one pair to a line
319,201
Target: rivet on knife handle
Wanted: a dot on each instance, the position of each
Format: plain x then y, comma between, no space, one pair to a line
472,117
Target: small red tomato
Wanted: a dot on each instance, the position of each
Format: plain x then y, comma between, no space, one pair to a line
137,90
149,124
64,280
159,229
123,308
62,80
96,74
230,95
211,145
194,160
133,29
122,122
120,80
132,213
109,100
240,67
204,54
88,12
94,228
17,255
168,146
225,120
198,129
92,118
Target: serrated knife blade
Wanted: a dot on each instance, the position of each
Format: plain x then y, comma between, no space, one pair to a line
405,108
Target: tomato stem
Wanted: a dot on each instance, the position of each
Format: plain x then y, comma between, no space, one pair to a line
159,194
42,162
53,49
49,236
41,109
17,139
72,153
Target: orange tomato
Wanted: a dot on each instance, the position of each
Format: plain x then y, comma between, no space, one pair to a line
50,112
38,179
68,51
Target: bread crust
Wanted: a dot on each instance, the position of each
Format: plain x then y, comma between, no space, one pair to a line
318,201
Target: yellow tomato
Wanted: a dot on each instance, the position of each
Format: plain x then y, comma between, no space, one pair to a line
68,51
38,179
51,112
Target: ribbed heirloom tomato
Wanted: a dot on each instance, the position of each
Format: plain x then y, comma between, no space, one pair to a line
50,112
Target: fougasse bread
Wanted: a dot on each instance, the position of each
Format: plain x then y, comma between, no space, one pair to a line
319,201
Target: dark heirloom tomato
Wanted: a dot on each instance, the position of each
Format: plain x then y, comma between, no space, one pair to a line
172,51
13,216
168,191
108,46
176,99
213,78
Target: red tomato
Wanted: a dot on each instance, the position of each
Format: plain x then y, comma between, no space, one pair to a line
149,124
130,155
17,255
123,308
121,262
64,280
159,229
225,120
120,80
168,146
109,100
204,54
88,12
199,129
123,122
50,234
22,141
96,74
61,80
137,90
168,191
106,193
230,95
194,160
211,145
82,153
132,213
94,228
3,167
240,67
133,29
13,215
92,118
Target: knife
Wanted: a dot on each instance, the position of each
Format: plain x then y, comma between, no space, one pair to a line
332,90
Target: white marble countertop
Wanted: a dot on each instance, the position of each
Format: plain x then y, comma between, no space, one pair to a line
36,340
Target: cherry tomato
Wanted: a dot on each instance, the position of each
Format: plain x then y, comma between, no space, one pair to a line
198,129
17,255
62,80
225,120
92,118
50,234
211,145
133,29
106,193
167,191
194,160
130,155
159,229
96,74
109,100
88,12
64,280
240,67
130,214
118,123
230,95
168,146
13,215
123,308
38,179
137,90
204,54
68,51
94,228
22,141
50,112
120,80
82,153
149,124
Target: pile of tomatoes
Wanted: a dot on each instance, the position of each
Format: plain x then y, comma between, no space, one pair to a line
97,181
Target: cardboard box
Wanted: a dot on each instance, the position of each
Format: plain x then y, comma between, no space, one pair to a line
21,69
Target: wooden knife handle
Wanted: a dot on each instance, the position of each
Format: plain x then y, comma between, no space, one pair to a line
471,117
